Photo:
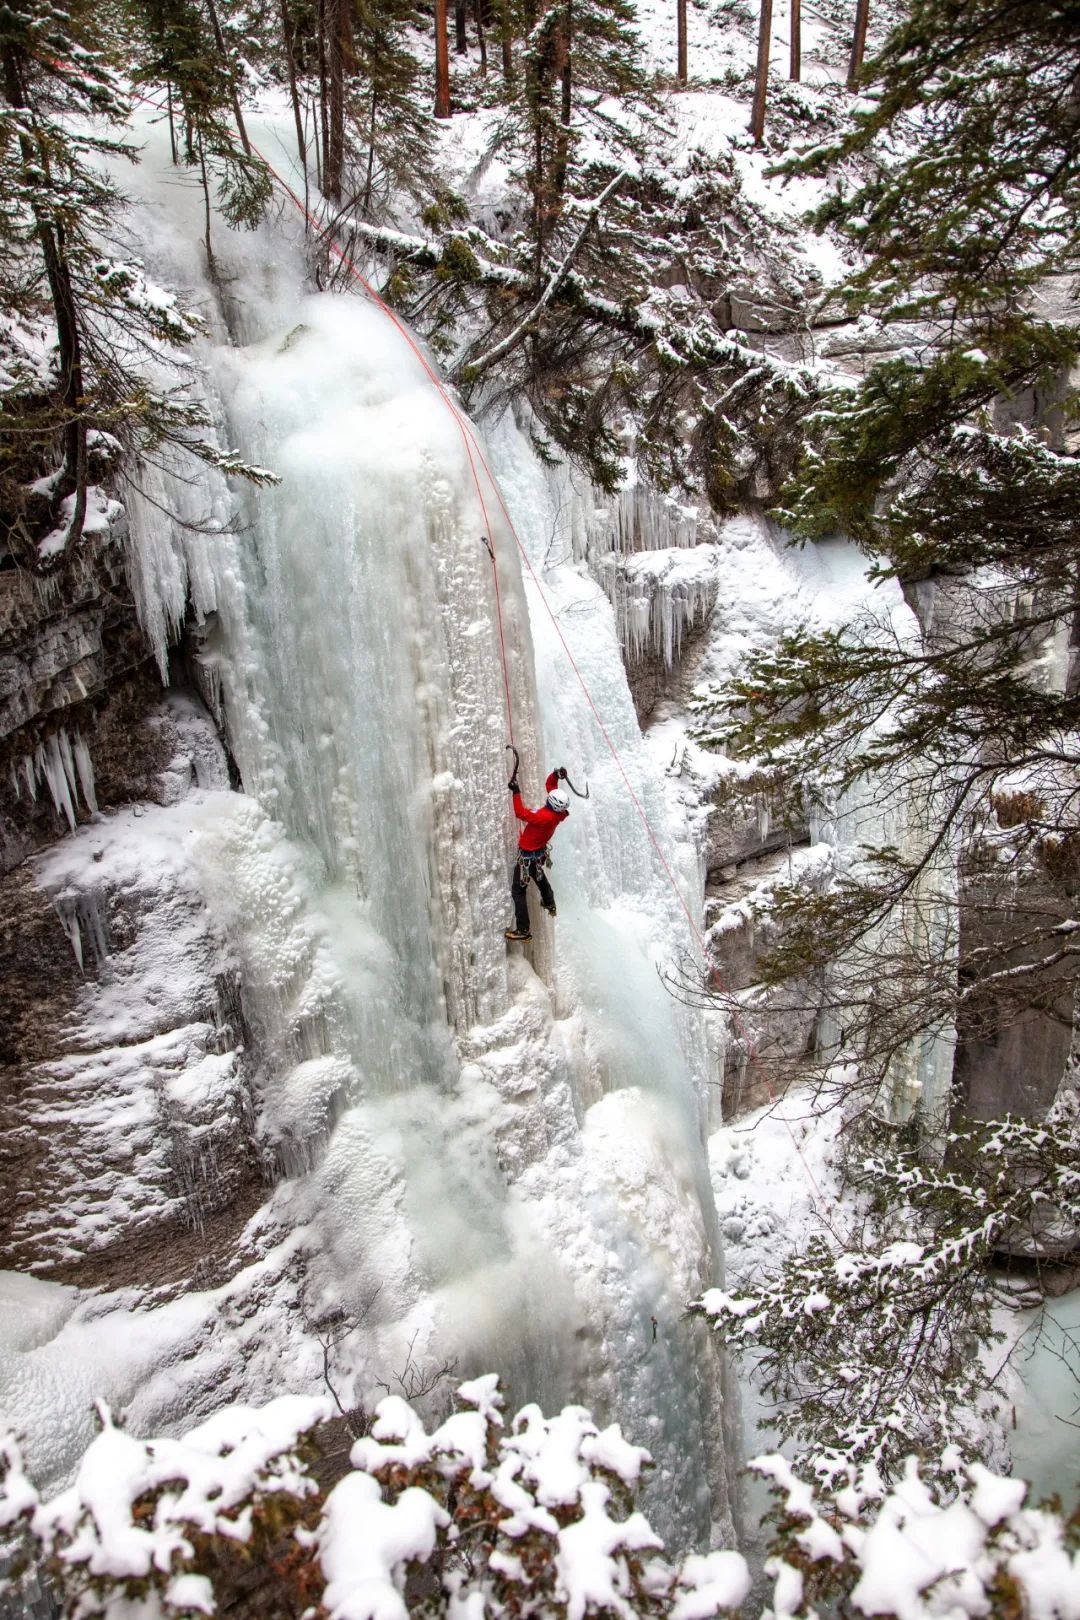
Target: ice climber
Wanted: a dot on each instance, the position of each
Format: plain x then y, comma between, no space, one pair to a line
540,825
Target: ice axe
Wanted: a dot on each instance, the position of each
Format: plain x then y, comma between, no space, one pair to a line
561,773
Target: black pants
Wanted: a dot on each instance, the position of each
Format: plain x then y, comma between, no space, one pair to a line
517,892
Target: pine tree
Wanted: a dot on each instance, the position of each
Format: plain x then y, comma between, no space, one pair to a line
576,54
186,49
61,107
390,133
967,217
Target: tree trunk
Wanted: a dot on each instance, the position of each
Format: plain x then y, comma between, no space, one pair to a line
65,310
211,267
506,40
761,80
481,35
172,125
796,40
461,26
227,64
339,58
858,42
289,37
324,97
442,62
541,206
565,70
369,179
682,71
67,330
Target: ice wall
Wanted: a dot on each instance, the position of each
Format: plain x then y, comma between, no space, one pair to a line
507,1166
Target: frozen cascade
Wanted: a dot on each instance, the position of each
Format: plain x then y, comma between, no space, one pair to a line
587,525
636,519
646,549
511,1164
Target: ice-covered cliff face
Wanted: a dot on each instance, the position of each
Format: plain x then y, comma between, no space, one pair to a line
490,1158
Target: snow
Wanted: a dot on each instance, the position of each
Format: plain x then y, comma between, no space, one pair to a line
99,517
908,1552
717,1580
365,1544
31,1311
205,1476
381,1523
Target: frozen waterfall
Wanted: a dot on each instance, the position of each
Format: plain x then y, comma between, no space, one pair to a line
497,1159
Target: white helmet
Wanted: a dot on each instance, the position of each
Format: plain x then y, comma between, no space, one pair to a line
559,800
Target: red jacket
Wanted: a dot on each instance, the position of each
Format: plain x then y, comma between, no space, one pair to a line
539,824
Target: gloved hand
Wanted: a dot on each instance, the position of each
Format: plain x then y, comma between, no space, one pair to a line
561,772
514,785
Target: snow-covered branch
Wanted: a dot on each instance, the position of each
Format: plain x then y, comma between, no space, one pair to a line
531,1518
473,368
481,1518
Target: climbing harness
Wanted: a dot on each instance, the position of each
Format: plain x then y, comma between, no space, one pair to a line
530,861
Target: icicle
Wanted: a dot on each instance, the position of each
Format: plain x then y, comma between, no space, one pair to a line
67,768
657,601
92,923
86,773
67,760
68,913
49,764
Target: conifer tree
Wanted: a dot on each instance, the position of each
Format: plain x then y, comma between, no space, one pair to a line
187,51
954,468
576,53
389,132
62,106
